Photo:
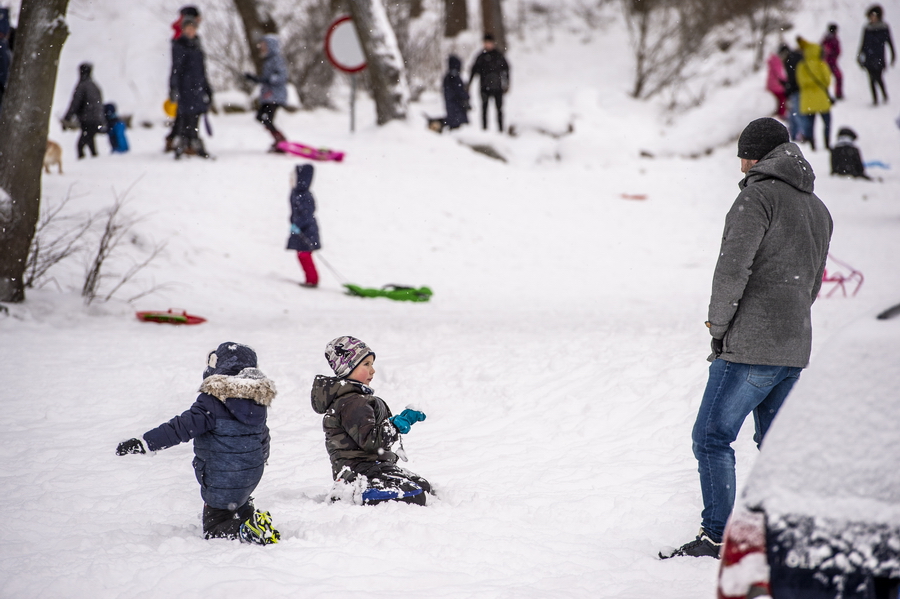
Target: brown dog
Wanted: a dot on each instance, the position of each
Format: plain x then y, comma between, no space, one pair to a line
52,156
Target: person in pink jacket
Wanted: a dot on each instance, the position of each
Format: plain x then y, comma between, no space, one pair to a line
831,49
776,79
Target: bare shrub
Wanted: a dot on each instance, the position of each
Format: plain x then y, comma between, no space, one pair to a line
55,238
117,227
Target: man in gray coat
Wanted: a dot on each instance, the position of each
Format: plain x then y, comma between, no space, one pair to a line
767,277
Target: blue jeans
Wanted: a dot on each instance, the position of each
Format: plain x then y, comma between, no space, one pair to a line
733,391
796,125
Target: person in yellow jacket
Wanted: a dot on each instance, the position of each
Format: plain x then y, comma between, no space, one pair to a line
813,79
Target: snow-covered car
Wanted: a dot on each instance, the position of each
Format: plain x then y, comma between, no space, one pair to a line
819,516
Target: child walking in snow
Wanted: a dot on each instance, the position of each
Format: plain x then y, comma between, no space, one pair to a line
360,431
231,443
304,237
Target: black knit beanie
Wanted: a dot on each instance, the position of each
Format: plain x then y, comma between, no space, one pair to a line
761,137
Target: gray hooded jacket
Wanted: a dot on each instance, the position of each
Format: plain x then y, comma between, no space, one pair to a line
273,77
771,264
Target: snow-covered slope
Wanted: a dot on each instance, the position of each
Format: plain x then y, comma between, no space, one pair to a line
560,362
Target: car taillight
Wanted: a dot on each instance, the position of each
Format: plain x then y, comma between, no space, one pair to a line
744,569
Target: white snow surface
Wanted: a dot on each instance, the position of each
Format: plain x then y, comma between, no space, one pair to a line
560,362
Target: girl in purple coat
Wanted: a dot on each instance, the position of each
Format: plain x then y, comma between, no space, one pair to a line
831,50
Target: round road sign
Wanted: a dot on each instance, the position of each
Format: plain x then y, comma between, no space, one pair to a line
342,46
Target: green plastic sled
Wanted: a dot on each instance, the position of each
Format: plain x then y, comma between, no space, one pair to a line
399,293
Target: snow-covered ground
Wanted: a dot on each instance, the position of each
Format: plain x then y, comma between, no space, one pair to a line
560,362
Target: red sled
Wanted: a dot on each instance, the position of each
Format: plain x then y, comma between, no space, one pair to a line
169,317
310,152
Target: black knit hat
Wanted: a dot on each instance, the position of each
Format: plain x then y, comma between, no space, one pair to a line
761,137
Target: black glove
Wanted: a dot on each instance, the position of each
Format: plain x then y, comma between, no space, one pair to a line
716,346
130,446
251,77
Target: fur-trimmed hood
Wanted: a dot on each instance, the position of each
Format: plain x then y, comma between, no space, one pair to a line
249,383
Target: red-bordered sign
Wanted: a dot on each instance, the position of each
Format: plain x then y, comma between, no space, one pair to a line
342,46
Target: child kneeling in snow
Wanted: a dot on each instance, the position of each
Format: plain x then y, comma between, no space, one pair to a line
845,156
231,443
360,431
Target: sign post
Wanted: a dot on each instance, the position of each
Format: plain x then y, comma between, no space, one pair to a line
345,53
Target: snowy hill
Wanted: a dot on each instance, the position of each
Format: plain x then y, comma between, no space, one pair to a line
560,362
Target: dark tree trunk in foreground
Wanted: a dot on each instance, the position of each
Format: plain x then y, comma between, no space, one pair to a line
256,25
492,18
456,17
24,122
387,73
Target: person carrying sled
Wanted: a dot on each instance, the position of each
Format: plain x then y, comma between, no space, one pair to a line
231,443
189,88
876,35
845,156
273,82
304,237
361,432
87,108
768,275
456,97
493,73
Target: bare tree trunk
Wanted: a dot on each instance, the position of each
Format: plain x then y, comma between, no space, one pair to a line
387,72
456,17
25,121
492,17
256,24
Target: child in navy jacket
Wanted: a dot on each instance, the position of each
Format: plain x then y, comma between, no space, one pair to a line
304,237
231,443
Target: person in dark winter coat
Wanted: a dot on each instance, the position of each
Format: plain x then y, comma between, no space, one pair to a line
831,51
845,156
186,12
189,88
304,237
456,97
87,107
769,271
361,432
273,81
231,443
796,121
493,73
876,35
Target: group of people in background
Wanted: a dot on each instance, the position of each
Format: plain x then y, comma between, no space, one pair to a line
801,79
492,71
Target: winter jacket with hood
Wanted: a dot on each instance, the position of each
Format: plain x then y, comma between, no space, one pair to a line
188,85
87,102
358,430
231,439
456,98
813,79
304,228
771,264
273,78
